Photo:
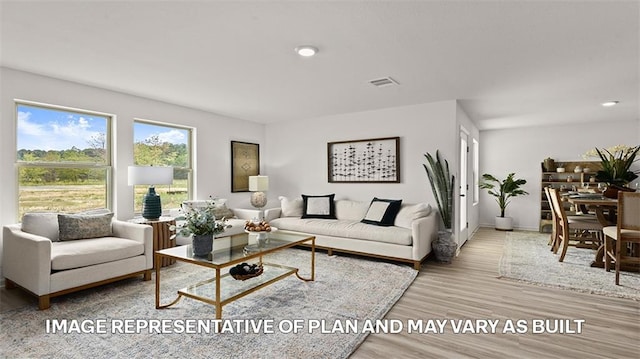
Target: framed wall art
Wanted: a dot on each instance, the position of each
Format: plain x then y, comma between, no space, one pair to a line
245,162
375,160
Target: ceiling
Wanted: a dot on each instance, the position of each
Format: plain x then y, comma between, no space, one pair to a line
510,64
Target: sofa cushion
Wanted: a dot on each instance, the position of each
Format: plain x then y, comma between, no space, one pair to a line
410,212
382,212
77,226
41,224
351,210
86,252
344,228
220,209
291,207
318,206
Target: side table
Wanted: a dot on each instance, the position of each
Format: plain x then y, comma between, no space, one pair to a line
161,236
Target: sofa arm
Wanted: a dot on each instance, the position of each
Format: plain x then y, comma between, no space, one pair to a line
423,231
142,233
26,259
244,213
272,213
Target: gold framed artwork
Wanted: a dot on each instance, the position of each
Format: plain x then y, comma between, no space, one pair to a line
375,160
245,162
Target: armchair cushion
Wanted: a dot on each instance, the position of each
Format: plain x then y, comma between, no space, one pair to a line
85,252
74,226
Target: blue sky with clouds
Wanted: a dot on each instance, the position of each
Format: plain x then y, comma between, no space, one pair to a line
48,129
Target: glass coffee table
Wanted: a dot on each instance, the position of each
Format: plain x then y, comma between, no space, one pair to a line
223,288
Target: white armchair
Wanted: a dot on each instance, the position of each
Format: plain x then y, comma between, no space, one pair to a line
36,258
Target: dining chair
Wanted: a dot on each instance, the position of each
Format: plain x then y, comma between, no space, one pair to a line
576,231
626,234
553,239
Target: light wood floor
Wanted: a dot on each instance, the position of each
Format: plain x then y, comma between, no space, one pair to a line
469,289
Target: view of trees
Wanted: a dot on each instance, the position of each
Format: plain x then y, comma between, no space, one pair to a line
149,152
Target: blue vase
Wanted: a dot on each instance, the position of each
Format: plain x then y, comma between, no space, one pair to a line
151,207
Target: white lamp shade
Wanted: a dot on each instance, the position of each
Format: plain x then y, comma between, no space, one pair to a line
258,183
150,175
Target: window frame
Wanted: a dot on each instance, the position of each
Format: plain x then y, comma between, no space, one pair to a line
107,165
190,169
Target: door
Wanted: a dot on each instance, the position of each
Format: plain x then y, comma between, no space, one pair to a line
463,223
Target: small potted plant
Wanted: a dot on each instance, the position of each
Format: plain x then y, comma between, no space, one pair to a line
503,191
442,181
202,224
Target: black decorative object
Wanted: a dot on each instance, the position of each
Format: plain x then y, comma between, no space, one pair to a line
202,244
244,271
375,160
151,205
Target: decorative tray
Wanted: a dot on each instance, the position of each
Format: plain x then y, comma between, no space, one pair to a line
244,271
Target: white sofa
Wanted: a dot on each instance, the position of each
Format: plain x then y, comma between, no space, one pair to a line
35,258
408,240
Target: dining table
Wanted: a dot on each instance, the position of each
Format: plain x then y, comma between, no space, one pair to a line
605,210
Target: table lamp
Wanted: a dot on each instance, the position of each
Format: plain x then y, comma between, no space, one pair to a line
150,175
258,185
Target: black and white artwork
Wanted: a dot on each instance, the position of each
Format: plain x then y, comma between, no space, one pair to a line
373,160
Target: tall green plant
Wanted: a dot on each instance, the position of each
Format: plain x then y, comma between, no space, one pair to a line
441,185
503,190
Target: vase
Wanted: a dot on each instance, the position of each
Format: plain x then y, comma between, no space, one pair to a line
504,223
613,189
445,246
202,244
549,165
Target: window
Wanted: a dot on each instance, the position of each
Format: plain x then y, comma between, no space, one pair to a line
158,144
63,159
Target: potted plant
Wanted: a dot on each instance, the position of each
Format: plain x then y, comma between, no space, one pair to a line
202,224
442,181
616,168
503,191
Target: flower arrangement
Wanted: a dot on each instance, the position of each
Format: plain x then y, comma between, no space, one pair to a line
616,164
199,221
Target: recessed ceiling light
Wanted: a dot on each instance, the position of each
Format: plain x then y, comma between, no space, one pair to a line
306,50
609,103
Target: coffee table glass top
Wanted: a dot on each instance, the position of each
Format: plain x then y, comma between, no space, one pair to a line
229,250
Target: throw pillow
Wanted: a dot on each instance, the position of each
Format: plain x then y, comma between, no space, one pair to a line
382,212
319,206
41,224
291,207
222,211
75,226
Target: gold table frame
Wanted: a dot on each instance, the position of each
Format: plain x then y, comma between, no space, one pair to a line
225,257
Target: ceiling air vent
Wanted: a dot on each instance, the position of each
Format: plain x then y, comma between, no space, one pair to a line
384,81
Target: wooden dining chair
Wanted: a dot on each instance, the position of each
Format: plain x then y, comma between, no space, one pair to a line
626,234
553,239
576,231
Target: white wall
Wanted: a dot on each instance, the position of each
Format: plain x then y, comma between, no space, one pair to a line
521,151
212,143
297,157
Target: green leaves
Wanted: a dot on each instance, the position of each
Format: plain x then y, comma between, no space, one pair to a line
199,221
503,190
616,165
441,185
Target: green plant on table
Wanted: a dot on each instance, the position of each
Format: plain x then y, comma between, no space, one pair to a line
199,221
616,164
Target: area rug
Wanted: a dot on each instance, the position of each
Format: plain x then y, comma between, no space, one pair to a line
528,258
288,319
